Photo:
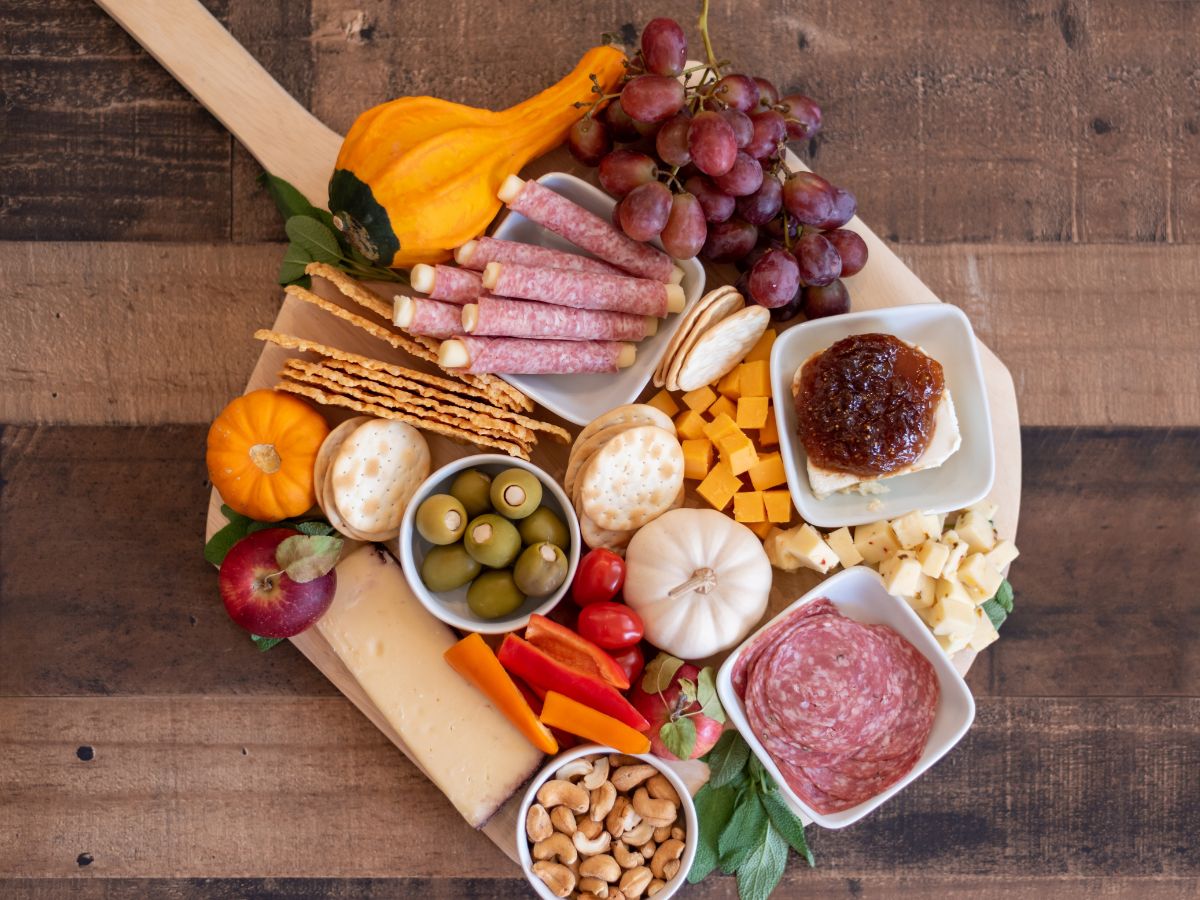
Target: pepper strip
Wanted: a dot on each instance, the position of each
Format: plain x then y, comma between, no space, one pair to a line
562,712
574,650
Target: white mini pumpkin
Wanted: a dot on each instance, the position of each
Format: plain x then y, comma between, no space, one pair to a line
699,581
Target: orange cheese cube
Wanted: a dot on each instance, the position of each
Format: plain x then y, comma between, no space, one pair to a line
762,530
728,386
748,506
697,458
752,412
719,486
664,402
762,349
690,424
778,504
738,450
723,406
768,472
719,427
754,379
700,399
768,435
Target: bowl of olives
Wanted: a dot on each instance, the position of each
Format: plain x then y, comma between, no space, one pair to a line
487,541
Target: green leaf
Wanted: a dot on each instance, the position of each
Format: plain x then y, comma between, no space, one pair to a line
687,692
746,829
290,202
659,673
233,515
1004,596
714,806
315,527
307,557
706,693
314,237
727,760
291,270
679,737
763,868
265,644
994,611
786,823
261,526
222,542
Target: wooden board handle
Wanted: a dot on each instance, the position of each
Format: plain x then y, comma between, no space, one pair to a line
193,46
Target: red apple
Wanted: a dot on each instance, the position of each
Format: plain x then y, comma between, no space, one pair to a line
264,600
666,707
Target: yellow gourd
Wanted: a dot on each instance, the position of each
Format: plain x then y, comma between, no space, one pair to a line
417,177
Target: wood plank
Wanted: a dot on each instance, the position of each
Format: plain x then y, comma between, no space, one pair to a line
1049,311
231,787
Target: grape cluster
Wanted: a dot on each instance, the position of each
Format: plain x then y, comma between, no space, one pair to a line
704,172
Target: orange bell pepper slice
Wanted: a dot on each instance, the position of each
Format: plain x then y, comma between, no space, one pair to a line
474,660
560,711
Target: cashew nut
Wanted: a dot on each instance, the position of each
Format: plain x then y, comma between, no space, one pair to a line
573,769
647,850
615,820
678,833
655,886
598,775
537,823
626,857
594,886
563,819
639,834
671,868
557,877
661,833
598,844
588,895
656,812
627,778
661,789
615,894
635,881
558,846
602,800
668,851
557,792
602,866
620,759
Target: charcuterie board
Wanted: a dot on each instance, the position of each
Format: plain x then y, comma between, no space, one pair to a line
291,143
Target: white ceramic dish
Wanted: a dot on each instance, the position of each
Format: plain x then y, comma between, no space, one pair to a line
581,398
943,332
858,594
689,816
451,606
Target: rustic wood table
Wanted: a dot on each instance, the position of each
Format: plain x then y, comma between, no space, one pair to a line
1037,163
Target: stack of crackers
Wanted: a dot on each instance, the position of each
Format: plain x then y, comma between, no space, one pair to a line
712,338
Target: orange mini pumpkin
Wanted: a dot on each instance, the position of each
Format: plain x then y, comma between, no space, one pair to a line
261,450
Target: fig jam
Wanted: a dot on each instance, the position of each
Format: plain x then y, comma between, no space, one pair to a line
866,405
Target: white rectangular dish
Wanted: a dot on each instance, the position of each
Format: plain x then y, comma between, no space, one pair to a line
858,594
581,398
943,332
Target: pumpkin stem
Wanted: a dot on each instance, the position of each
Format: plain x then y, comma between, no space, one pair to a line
266,457
703,580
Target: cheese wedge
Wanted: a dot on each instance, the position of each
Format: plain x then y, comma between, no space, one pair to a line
394,648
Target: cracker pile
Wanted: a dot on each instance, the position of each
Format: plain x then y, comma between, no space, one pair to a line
712,338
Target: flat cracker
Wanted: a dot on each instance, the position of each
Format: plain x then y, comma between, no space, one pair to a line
685,328
637,413
364,297
632,479
330,446
616,541
375,473
583,450
723,305
721,347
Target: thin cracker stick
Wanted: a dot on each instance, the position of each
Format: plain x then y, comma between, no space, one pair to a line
364,297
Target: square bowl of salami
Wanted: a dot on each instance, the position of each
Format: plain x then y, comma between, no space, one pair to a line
845,697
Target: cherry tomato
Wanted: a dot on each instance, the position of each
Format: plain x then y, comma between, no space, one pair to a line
631,662
600,574
610,625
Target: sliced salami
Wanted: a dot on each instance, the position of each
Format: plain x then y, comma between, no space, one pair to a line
498,317
584,290
478,253
446,283
522,356
428,317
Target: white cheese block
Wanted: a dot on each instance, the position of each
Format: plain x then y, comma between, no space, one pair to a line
1003,553
875,541
985,633
842,543
394,648
800,547
954,614
901,574
914,528
975,571
977,531
933,556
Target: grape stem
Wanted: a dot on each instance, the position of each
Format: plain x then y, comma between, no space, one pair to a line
703,24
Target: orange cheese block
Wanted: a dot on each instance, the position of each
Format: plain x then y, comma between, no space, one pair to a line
768,472
762,349
752,412
722,406
728,386
779,505
719,486
762,530
664,402
697,458
768,435
700,399
748,506
754,378
690,424
721,426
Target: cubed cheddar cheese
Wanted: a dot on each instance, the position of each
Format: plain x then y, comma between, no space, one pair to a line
914,528
975,571
664,402
762,348
875,541
768,472
700,399
762,530
1002,554
719,486
985,632
748,507
800,547
739,451
901,574
778,504
842,544
721,426
933,555
754,378
690,424
723,406
954,616
752,412
768,435
728,386
977,531
697,458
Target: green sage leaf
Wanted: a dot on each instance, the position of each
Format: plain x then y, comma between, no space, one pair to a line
314,237
995,612
706,694
264,643
222,542
762,869
679,736
306,557
1004,596
727,759
290,202
746,830
714,806
660,672
787,823
291,270
315,527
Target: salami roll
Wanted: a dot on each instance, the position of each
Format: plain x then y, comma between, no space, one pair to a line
587,230
492,316
523,356
584,290
478,253
446,283
428,317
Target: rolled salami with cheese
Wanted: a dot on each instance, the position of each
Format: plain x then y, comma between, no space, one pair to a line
478,253
428,317
497,317
522,356
446,283
584,290
587,230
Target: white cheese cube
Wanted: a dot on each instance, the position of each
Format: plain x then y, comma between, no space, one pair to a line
952,643
901,574
976,531
954,614
950,536
875,541
941,523
975,571
932,556
800,547
913,528
842,543
925,612
927,595
985,509
1002,554
958,552
984,633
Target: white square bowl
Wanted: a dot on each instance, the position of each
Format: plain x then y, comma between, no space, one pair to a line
581,398
943,332
858,594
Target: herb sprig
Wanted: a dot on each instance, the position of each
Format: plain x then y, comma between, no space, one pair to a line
998,608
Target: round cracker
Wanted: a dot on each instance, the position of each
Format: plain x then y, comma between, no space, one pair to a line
686,326
722,347
330,446
607,426
375,473
722,307
326,501
632,479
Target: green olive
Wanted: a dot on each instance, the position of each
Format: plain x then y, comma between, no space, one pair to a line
470,488
516,493
544,525
441,519
492,540
448,567
540,570
494,594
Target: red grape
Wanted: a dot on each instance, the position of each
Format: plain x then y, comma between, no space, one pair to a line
803,116
768,94
830,300
737,92
743,128
851,248
623,170
745,177
647,129
645,209
844,207
769,130
619,122
652,98
808,197
685,231
711,142
616,213
729,241
764,204
775,228
664,47
774,279
818,259
589,140
718,206
671,142
791,309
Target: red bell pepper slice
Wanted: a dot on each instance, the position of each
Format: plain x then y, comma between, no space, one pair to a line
574,651
544,672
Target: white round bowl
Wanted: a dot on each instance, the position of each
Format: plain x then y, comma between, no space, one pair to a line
691,823
451,606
